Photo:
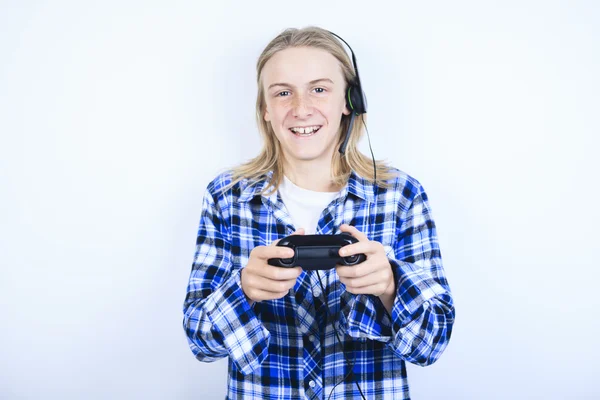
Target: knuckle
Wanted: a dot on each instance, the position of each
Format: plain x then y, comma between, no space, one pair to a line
285,253
270,296
281,254
277,273
257,251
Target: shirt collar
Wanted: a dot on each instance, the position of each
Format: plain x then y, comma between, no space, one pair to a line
357,186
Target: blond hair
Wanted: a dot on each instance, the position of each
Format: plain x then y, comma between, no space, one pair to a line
270,157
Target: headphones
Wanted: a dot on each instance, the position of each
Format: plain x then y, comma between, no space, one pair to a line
356,101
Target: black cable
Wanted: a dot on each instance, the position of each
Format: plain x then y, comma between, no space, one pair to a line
337,336
342,150
371,215
339,340
371,150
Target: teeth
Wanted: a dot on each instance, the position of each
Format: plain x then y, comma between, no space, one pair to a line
305,130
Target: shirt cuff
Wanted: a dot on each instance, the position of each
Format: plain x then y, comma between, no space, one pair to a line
366,317
244,337
414,289
415,296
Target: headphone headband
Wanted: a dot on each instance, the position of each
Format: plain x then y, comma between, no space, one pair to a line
356,99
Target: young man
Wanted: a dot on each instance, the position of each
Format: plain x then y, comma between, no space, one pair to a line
289,333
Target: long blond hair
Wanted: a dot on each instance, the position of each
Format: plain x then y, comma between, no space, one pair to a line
270,157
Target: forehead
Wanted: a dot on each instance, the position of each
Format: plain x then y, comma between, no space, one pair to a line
299,65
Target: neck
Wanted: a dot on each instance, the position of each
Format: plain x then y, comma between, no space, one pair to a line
312,175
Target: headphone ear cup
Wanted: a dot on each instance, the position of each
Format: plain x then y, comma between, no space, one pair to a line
357,106
349,100
355,100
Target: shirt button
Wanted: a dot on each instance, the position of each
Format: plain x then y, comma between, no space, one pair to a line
311,338
426,304
316,292
311,384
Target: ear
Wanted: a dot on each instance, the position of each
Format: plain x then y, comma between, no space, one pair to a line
346,111
266,115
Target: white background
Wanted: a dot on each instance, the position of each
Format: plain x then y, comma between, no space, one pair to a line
115,115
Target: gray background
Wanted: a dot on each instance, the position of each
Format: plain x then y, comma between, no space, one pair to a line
115,115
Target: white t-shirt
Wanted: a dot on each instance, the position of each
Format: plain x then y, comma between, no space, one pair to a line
304,206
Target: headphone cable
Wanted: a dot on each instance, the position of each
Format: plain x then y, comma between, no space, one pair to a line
338,340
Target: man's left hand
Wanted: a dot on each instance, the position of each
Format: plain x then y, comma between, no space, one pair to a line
372,276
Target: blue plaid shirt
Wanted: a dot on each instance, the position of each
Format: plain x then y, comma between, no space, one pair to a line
286,348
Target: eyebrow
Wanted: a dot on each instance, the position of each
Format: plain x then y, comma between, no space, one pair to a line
290,85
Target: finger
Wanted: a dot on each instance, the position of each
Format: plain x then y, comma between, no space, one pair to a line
355,271
266,252
375,278
258,282
298,232
354,232
376,290
366,248
260,295
280,273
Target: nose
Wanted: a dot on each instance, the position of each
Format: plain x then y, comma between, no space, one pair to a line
301,107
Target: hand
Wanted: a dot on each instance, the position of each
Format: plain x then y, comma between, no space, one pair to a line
374,275
261,281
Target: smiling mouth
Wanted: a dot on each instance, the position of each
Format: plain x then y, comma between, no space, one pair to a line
305,131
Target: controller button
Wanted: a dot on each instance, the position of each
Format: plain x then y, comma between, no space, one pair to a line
287,261
352,259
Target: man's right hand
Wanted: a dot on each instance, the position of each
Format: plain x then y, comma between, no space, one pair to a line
261,281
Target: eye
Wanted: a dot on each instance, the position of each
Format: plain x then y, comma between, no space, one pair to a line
323,89
279,94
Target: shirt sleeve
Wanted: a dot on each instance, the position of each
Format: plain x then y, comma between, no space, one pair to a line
217,318
423,312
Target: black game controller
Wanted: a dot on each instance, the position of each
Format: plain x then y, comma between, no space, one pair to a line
317,252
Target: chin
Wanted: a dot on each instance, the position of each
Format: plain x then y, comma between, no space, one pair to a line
305,157
306,151
302,157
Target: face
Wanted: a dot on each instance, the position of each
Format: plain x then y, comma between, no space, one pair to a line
305,98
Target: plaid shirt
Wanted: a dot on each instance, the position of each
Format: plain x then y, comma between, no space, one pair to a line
286,348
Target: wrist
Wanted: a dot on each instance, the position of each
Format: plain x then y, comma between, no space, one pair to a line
388,297
248,299
390,291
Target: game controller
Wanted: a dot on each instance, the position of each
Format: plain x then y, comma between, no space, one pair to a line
317,252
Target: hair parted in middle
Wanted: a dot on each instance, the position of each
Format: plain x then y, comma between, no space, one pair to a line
270,157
